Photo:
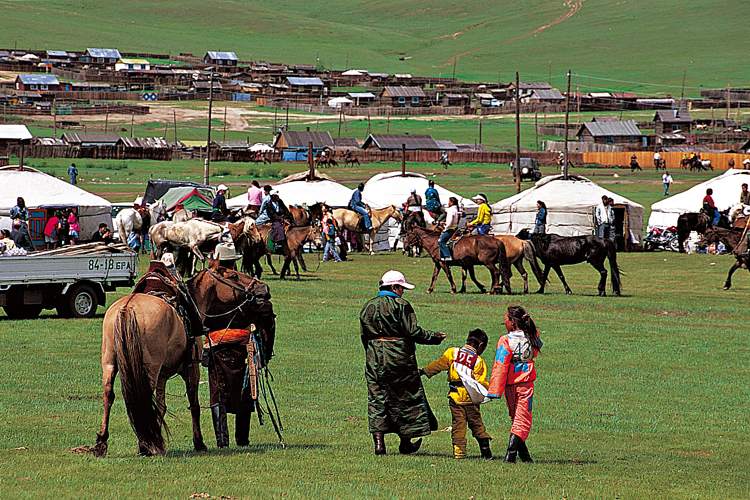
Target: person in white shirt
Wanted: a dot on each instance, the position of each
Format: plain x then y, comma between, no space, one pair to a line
666,179
451,223
603,220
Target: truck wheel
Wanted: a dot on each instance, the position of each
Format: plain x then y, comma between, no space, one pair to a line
81,302
23,311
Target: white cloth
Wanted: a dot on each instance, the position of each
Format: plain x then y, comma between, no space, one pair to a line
476,391
666,179
602,215
657,156
451,217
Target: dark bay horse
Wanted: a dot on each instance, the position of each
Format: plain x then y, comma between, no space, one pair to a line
143,337
695,221
469,251
555,251
732,238
411,219
313,214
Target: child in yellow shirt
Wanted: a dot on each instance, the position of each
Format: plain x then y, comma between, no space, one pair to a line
467,379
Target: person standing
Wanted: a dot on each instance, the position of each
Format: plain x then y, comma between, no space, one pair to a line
329,230
484,215
50,232
361,207
73,173
657,160
75,228
451,223
467,382
745,195
611,214
396,400
666,179
513,374
603,221
21,213
540,223
254,196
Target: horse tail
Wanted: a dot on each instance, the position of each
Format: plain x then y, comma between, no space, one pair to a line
615,270
137,393
529,253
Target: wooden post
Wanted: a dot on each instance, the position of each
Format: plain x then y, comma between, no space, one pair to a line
480,130
225,123
174,116
728,101
310,163
550,73
388,122
565,146
346,127
682,94
536,131
208,133
340,115
106,120
54,114
132,126
578,105
517,164
403,160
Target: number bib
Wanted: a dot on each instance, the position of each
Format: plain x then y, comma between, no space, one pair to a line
466,358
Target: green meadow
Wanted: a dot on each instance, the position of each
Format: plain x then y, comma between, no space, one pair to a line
638,45
639,396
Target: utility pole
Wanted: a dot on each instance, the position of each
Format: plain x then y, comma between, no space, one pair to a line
550,73
728,102
480,130
132,125
682,94
403,160
54,114
565,150
106,120
174,116
517,164
225,124
310,163
536,131
208,136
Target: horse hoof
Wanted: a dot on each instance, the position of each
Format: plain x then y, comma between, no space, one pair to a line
201,447
568,292
428,291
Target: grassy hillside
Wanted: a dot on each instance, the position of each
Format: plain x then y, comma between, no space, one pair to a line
608,44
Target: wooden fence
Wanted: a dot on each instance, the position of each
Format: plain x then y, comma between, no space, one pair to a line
719,161
94,152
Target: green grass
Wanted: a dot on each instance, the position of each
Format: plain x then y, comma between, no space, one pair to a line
608,45
638,396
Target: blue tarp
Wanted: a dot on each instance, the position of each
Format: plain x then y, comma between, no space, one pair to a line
294,156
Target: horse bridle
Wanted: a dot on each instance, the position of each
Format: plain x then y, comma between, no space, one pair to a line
248,296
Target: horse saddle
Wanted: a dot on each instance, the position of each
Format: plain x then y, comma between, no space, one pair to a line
160,281
360,227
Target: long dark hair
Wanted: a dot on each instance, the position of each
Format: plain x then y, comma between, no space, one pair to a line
544,206
20,202
521,319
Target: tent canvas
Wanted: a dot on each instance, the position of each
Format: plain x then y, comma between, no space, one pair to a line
391,189
40,190
191,198
306,193
156,188
726,186
570,208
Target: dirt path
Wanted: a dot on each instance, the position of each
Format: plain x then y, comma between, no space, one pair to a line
573,7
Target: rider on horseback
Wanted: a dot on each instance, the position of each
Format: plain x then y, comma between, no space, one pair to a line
432,202
220,210
451,223
361,207
484,215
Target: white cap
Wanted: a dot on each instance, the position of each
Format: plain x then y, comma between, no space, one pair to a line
274,192
221,187
168,259
226,251
480,197
413,190
395,278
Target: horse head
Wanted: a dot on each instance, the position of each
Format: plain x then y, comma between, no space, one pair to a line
396,213
524,234
251,231
231,289
157,211
316,236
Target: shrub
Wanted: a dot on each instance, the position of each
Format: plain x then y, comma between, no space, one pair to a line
476,175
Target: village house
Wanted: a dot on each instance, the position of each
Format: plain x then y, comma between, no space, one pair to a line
461,100
612,133
221,59
84,139
394,142
37,83
673,121
101,57
363,99
305,85
295,145
132,64
402,97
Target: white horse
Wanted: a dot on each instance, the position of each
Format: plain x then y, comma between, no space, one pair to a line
129,220
190,236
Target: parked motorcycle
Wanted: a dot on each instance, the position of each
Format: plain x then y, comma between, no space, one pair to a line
665,239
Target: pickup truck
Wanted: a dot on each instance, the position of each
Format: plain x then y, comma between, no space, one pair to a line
72,279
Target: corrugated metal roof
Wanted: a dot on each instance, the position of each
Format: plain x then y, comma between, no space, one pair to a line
15,132
232,144
601,119
446,145
76,138
532,85
345,143
673,116
306,81
455,96
399,75
482,95
600,94
304,67
57,53
39,79
135,61
403,92
49,141
362,95
548,94
224,56
605,129
145,142
423,142
106,53
303,139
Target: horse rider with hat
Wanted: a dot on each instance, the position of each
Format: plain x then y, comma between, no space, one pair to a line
225,355
396,401
361,207
484,215
220,210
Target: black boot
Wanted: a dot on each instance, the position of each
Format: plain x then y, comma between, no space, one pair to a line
513,444
523,453
379,439
484,447
242,429
219,417
407,447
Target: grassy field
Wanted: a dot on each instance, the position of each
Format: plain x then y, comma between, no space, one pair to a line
639,396
641,46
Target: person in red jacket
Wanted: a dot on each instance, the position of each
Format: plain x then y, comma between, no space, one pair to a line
513,374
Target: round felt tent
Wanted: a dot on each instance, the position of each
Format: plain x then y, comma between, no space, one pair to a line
306,193
570,209
391,188
727,188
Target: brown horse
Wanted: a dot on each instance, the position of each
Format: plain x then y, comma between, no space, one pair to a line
515,251
732,238
349,220
313,214
249,243
291,248
143,337
469,251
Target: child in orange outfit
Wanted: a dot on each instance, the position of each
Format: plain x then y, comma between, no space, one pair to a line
513,374
467,379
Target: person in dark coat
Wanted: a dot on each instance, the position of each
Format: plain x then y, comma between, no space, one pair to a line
277,214
396,401
220,210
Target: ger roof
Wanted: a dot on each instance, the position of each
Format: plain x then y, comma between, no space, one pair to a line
106,53
604,129
423,142
224,56
299,80
39,79
403,92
